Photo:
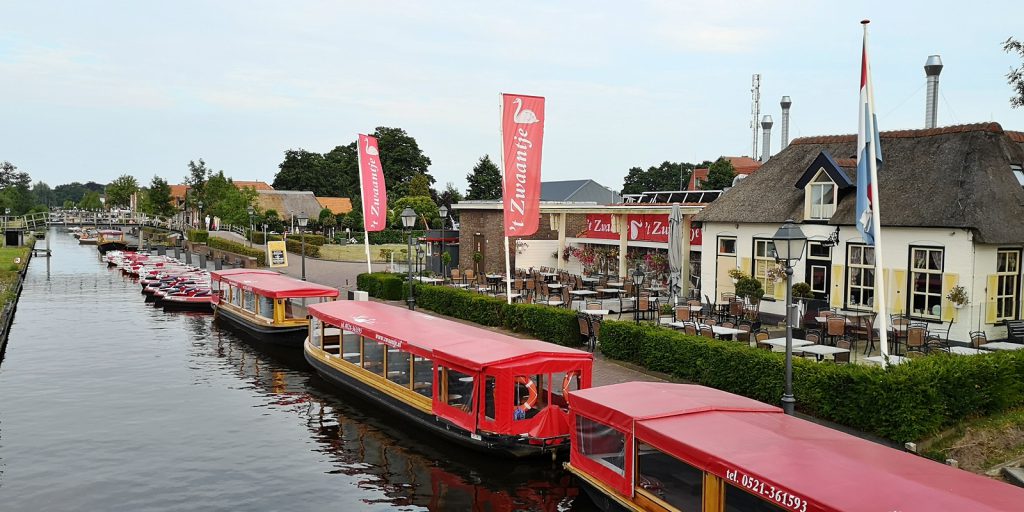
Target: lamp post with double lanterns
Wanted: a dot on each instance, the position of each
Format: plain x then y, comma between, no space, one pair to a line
638,281
252,227
443,212
789,243
303,220
199,218
408,220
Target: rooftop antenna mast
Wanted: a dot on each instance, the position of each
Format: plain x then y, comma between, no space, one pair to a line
755,111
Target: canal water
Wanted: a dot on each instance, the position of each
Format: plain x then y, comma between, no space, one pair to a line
107,403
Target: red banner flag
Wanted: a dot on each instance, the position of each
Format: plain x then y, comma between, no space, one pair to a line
371,183
522,134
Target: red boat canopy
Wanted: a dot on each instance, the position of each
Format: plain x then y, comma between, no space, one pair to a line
739,439
461,344
271,284
117,232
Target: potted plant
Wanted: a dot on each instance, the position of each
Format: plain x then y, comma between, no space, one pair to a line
477,258
737,274
751,289
958,296
446,260
801,293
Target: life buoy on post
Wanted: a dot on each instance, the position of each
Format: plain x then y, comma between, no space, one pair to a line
522,408
567,382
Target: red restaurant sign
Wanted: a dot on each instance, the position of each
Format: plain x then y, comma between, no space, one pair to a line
640,228
522,132
371,183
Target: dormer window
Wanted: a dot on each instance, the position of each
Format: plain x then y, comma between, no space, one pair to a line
820,197
1018,173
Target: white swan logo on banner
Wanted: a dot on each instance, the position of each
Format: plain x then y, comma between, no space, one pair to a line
523,116
634,229
371,150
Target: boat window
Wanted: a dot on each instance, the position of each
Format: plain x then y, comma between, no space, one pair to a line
423,376
460,389
398,367
738,500
236,296
489,398
373,356
266,307
561,383
315,334
350,347
250,301
296,307
668,478
215,286
530,396
602,444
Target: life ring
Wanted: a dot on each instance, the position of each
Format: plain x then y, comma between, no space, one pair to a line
532,388
567,382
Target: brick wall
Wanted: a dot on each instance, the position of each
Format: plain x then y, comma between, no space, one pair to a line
488,223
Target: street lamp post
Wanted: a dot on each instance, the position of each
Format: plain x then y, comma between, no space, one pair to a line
264,233
408,220
251,226
302,219
443,211
638,281
199,217
789,243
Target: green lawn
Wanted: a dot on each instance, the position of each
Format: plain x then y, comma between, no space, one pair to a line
356,252
9,270
981,443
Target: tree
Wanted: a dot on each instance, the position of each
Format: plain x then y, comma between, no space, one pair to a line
401,158
327,219
119,192
484,180
720,175
1016,75
450,196
667,176
158,198
425,208
196,181
419,186
301,170
73,192
68,204
43,193
90,201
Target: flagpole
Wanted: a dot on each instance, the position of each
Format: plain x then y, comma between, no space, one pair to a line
876,222
362,202
504,225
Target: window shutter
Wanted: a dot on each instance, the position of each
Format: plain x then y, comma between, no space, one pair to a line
745,266
990,295
949,280
899,283
780,289
838,293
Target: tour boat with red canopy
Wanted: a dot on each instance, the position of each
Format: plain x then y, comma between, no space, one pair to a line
266,305
672,447
482,389
111,240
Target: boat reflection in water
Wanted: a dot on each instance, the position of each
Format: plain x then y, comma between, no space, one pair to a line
361,441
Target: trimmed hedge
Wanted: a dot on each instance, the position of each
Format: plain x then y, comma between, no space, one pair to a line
381,285
238,248
388,236
257,238
904,403
198,235
295,245
542,322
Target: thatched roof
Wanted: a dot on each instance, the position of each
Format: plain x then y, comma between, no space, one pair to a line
954,177
289,202
336,204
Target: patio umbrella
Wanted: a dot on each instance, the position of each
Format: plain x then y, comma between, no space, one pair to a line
675,251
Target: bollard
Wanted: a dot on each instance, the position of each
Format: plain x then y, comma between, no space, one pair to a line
202,261
177,252
188,257
218,263
161,250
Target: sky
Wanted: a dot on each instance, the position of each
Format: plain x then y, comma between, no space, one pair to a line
93,90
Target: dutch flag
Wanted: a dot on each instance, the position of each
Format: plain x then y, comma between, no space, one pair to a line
868,144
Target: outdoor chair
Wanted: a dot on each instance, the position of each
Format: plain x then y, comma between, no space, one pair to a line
594,305
566,297
917,337
586,328
481,284
705,331
682,313
643,306
531,288
711,321
813,336
835,327
938,341
759,339
690,328
456,276
728,324
469,276
897,329
735,309
843,357
978,339
744,326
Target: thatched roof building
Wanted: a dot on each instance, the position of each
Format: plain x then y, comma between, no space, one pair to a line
955,177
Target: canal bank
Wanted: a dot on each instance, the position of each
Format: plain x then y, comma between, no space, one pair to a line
20,257
111,404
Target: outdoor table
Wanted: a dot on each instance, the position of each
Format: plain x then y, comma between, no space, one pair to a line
595,312
1002,345
855,313
609,291
430,280
583,293
881,360
724,331
820,351
966,351
616,284
554,286
589,279
781,342
824,319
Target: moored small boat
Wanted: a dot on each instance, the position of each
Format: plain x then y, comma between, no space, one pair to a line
194,299
267,306
481,389
110,240
87,237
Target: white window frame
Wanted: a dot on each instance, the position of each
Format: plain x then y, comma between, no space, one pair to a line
764,259
825,210
929,275
865,284
1003,276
